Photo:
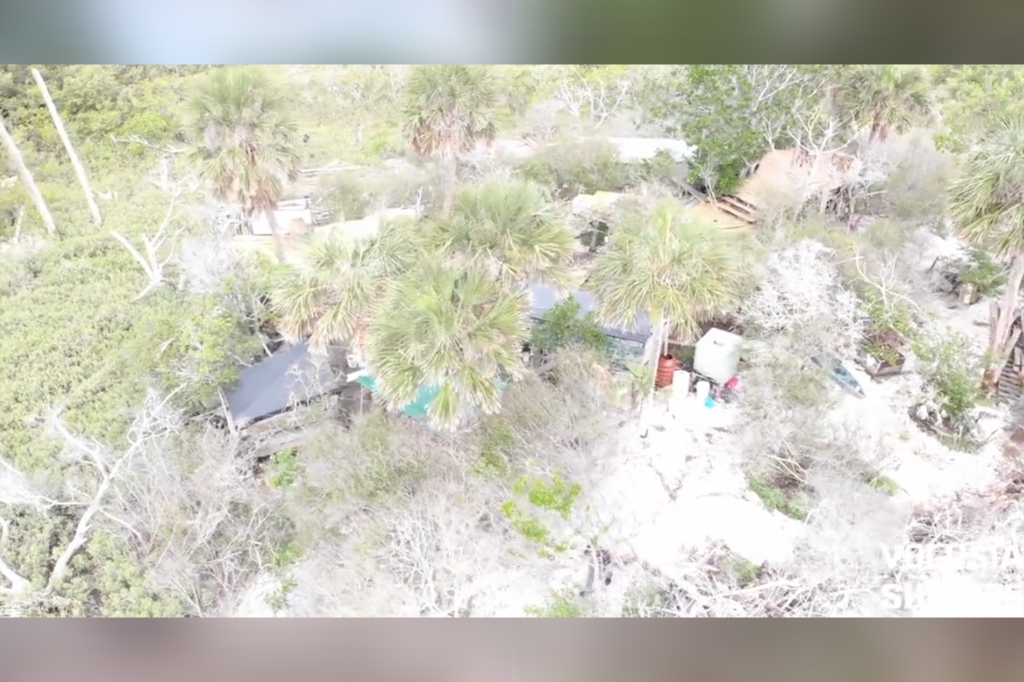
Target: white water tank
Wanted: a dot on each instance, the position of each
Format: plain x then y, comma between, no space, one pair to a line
717,355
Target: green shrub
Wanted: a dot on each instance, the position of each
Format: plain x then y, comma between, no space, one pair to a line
775,498
742,571
882,484
564,326
284,467
556,495
347,198
576,168
562,604
952,369
983,273
495,449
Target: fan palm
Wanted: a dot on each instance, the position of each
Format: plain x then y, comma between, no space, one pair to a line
244,143
330,295
986,203
450,328
668,267
883,98
511,231
448,109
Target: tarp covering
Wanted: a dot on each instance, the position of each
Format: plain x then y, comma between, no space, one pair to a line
417,409
287,377
544,297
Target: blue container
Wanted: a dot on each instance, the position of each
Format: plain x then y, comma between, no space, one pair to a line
709,402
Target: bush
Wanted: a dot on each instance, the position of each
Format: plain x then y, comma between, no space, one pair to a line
983,273
563,326
346,198
562,604
952,369
576,168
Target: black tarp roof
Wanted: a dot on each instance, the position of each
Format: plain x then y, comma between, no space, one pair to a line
289,376
544,297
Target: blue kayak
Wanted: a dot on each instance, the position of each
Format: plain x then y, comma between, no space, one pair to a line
837,370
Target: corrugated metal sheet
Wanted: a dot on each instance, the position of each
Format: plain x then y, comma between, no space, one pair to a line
544,297
283,380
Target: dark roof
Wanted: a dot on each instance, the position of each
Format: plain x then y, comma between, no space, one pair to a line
289,376
544,297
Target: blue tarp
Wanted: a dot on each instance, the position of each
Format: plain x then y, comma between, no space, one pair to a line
417,409
285,378
544,297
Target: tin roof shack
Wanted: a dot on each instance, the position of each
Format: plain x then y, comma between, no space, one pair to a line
632,344
290,377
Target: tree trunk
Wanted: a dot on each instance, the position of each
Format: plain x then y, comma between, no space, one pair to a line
275,232
1000,339
26,178
83,179
451,180
659,327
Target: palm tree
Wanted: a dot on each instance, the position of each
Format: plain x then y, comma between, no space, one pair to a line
448,110
667,266
449,328
330,295
511,231
986,203
883,98
245,143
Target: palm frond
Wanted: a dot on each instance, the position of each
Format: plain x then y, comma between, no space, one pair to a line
448,328
330,294
986,199
509,228
884,98
244,140
669,267
449,108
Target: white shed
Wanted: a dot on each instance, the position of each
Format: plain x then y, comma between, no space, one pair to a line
634,149
289,214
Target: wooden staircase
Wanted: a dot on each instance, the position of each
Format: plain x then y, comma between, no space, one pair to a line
741,209
1008,389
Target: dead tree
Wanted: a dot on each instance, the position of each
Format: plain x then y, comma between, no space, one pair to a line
1003,334
817,146
25,174
108,466
150,261
83,179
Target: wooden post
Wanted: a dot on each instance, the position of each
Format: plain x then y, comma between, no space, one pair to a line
83,179
26,178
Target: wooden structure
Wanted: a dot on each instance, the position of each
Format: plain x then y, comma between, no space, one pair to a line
790,175
877,368
600,205
1008,385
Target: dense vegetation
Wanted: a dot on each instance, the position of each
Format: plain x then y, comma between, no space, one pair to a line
124,494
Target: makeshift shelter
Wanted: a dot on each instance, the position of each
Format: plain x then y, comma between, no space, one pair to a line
287,378
417,409
631,343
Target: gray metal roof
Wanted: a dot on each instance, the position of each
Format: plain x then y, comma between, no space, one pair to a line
287,377
544,297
